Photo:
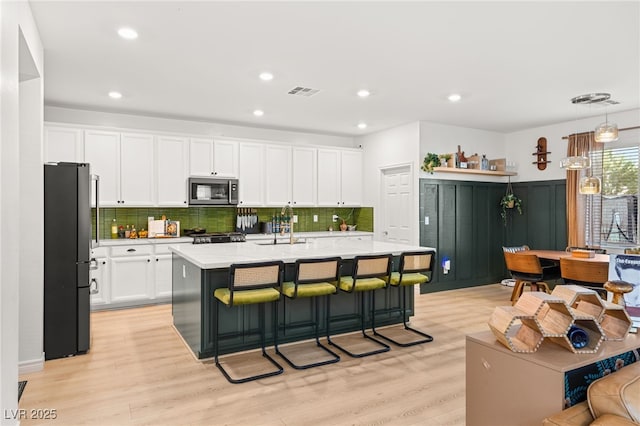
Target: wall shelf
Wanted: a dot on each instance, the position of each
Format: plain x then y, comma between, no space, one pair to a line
474,171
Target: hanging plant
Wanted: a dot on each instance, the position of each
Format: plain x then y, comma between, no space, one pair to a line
509,201
431,160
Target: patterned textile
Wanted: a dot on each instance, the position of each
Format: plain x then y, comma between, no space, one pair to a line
577,381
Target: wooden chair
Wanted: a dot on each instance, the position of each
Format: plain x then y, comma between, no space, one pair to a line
415,268
249,284
591,275
526,270
370,273
314,278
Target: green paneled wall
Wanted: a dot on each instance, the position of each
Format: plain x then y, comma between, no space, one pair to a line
223,219
465,227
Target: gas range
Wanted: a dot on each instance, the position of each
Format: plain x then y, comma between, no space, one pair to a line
229,237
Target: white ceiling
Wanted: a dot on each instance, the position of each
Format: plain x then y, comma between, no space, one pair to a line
516,64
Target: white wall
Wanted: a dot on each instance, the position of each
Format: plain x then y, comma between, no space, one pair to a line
396,146
443,138
141,122
15,16
520,145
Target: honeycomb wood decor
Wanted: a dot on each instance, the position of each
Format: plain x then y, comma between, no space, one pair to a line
538,316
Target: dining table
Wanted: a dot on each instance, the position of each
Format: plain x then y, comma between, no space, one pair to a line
555,255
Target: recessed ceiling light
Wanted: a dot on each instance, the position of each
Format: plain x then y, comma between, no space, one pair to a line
115,95
128,33
266,76
363,93
362,126
258,113
454,97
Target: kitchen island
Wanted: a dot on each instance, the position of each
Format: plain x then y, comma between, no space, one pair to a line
199,269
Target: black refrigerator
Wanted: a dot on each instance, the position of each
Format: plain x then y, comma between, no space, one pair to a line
67,241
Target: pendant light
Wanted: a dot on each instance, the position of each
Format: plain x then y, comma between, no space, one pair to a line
606,132
590,185
575,162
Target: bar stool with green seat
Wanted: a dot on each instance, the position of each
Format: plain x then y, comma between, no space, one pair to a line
314,278
249,284
370,273
415,268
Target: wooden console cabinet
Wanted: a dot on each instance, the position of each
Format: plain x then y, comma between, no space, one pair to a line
505,387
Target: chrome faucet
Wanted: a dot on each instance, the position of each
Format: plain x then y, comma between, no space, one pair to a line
284,209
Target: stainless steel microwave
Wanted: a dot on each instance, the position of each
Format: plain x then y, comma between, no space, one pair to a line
213,192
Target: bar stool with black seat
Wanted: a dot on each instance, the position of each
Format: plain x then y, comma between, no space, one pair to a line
415,268
250,284
370,273
314,278
525,269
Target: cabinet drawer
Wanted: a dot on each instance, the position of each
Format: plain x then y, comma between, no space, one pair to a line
99,252
133,250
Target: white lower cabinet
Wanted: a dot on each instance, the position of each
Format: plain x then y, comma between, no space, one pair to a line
131,275
131,278
162,272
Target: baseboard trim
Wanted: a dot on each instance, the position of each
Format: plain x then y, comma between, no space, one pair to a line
31,366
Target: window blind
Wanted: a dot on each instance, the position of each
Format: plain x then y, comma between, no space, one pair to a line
612,216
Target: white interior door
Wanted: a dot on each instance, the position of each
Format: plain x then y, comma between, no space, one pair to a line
397,204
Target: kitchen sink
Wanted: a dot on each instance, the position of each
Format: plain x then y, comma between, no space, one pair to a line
280,242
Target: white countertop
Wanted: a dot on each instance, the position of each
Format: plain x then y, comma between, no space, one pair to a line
210,256
133,241
318,234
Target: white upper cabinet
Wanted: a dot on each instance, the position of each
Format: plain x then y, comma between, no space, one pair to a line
304,177
136,170
102,152
251,174
339,177
63,144
210,157
200,157
277,179
329,177
351,178
172,170
225,158
124,163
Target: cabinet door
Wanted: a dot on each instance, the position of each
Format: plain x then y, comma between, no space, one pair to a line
131,279
329,177
277,180
102,151
200,157
171,170
162,275
304,177
225,158
351,178
136,170
63,144
99,279
251,174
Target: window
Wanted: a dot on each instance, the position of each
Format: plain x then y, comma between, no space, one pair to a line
612,216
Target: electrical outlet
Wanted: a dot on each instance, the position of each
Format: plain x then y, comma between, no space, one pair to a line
315,218
184,271
335,217
426,220
295,218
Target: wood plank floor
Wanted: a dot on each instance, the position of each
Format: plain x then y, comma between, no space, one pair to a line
139,372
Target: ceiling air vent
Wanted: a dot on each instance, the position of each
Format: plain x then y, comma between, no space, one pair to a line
303,91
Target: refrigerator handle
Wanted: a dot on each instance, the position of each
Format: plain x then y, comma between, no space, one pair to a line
94,289
93,264
97,179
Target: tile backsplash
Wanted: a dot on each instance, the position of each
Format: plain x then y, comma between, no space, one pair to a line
223,219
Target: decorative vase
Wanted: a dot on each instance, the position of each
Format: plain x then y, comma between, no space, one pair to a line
343,226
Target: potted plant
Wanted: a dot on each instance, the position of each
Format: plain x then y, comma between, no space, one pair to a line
431,161
509,201
444,159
